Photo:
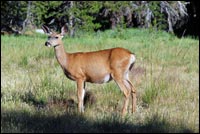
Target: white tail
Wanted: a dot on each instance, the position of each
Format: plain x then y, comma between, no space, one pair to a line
95,67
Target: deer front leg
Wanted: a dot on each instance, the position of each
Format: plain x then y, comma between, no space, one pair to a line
81,93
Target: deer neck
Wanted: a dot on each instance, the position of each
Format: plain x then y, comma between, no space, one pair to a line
61,55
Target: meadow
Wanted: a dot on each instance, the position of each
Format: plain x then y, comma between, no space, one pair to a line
37,97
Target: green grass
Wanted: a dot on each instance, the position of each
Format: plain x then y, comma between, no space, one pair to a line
34,89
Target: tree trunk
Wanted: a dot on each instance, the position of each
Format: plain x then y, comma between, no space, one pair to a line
27,24
71,21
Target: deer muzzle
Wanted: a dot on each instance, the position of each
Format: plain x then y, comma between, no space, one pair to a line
47,44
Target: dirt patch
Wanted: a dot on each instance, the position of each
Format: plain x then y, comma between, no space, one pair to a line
89,100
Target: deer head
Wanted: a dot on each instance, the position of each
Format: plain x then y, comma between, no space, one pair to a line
54,39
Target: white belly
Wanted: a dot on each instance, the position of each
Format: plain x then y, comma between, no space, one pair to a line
104,79
107,78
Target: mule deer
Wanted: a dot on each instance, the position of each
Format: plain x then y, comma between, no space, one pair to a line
95,67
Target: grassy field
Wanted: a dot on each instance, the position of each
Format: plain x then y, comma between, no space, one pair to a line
37,97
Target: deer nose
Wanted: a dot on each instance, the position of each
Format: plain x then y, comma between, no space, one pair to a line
47,44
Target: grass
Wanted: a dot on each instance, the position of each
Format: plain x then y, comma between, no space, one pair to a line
37,97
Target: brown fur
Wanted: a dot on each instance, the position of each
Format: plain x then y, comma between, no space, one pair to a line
95,67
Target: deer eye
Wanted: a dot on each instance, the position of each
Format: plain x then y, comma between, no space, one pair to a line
56,37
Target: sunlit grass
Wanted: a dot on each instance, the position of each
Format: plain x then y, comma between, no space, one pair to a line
33,86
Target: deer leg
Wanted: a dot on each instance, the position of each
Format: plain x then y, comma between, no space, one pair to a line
133,94
126,92
81,93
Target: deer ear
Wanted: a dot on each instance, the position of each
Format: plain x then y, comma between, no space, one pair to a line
64,30
46,29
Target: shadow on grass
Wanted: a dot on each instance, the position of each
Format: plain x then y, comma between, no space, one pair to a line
13,121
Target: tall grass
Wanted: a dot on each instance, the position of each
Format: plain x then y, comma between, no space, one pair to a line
37,97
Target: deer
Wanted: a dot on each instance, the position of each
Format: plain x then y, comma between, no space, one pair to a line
94,67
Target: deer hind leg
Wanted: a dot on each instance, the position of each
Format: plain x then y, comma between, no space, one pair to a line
120,82
81,93
130,86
